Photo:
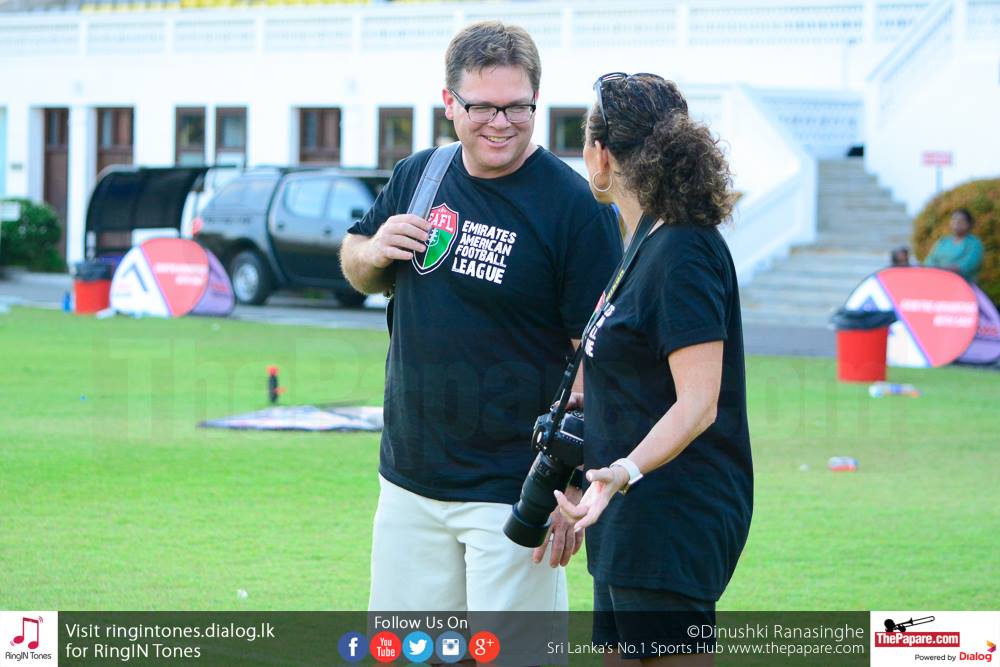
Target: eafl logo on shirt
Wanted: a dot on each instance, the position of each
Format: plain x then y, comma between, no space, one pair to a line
444,230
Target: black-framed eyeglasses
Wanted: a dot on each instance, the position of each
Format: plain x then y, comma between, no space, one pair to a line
612,76
484,113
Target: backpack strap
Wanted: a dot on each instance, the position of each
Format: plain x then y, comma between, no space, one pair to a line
423,199
430,180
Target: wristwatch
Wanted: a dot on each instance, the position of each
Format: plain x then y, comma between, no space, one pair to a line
633,473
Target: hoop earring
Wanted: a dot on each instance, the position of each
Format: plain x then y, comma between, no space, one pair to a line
611,179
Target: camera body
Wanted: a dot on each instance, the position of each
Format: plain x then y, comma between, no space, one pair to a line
560,452
563,441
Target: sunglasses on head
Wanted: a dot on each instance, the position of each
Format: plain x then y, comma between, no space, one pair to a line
613,76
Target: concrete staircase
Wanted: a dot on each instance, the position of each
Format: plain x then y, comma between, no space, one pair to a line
858,224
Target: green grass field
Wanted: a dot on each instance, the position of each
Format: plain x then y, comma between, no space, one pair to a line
111,498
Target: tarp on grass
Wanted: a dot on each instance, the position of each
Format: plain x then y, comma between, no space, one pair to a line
303,418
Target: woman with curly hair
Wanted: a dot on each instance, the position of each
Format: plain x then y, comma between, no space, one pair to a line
666,444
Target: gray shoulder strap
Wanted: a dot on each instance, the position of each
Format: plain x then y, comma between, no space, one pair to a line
430,180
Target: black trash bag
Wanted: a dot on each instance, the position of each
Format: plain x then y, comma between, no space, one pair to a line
866,320
92,271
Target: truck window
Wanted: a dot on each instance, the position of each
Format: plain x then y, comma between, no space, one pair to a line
305,198
231,195
246,193
347,197
259,193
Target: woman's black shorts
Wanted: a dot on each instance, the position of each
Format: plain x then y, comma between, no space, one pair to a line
646,623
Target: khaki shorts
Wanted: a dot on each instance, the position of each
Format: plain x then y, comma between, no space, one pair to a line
433,555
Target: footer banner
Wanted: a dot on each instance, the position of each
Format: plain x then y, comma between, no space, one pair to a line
793,638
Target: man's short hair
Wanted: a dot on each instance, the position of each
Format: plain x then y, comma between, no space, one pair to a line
491,44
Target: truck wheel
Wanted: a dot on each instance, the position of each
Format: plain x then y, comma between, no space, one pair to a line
349,298
251,278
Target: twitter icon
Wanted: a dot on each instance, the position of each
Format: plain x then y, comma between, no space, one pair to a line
418,647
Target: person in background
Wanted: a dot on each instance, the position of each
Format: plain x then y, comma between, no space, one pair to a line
899,257
961,252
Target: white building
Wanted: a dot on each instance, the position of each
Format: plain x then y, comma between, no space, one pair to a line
782,82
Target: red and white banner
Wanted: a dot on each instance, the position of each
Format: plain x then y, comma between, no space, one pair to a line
170,278
937,310
936,158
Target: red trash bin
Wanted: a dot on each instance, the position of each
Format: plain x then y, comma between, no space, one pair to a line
862,336
91,287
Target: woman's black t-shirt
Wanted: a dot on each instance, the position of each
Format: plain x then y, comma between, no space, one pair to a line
683,526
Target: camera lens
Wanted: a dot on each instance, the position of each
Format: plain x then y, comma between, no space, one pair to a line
530,518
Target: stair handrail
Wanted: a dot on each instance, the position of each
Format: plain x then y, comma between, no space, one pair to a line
759,216
903,56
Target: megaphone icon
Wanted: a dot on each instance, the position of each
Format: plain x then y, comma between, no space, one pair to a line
892,626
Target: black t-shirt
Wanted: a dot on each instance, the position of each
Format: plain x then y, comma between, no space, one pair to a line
483,321
683,526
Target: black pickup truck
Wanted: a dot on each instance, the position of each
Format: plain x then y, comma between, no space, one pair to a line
278,228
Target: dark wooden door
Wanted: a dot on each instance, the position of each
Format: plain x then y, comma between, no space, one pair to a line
395,135
444,129
319,136
56,166
114,137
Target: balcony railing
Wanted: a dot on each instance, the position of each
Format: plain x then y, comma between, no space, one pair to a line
255,27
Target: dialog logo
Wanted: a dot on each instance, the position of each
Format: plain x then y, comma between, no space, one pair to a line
385,647
352,646
991,647
418,647
450,646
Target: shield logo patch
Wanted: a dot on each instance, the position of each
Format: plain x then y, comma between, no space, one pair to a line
444,230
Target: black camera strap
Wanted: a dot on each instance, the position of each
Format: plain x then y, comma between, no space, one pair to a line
565,388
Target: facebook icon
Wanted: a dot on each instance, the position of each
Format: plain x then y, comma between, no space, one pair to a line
352,646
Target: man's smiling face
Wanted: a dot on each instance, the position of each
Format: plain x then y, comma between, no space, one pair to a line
499,147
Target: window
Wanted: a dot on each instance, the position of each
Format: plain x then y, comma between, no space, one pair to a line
114,137
114,128
319,136
232,195
190,137
305,197
346,199
231,136
258,193
566,131
444,129
246,193
56,128
395,135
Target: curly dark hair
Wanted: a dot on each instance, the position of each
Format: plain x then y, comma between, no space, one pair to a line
671,162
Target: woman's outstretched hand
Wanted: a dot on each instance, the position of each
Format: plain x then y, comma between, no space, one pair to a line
604,484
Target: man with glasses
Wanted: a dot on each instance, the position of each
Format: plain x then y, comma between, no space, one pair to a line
491,292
